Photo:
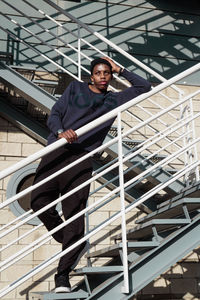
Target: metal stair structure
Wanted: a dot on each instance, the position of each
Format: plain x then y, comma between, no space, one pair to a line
155,180
163,238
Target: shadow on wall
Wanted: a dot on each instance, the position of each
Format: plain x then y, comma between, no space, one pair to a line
162,34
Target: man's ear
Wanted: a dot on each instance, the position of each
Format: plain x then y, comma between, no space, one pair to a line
91,78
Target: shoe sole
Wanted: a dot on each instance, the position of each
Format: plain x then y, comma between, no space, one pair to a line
62,289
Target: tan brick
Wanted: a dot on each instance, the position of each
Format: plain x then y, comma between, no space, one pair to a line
9,238
19,137
10,274
3,136
190,270
12,149
102,237
11,295
14,249
189,296
31,237
45,275
46,251
157,286
98,217
28,149
181,286
6,216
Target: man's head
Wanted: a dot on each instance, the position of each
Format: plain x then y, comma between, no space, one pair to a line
101,74
98,61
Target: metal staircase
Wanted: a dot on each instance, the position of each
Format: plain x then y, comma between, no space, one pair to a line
161,182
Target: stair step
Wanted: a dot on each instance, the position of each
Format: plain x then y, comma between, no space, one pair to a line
192,191
172,209
45,82
144,230
52,296
28,68
113,250
132,143
98,270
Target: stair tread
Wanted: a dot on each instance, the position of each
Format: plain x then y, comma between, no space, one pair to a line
51,82
28,68
98,270
113,250
52,295
193,191
154,177
145,229
172,209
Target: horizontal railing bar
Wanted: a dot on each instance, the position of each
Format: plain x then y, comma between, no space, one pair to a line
44,264
45,43
38,52
129,169
158,136
75,35
21,237
8,201
159,164
15,220
108,42
161,134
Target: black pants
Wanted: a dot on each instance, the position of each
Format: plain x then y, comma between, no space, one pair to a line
62,184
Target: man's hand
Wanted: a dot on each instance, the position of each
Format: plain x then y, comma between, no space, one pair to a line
70,135
115,68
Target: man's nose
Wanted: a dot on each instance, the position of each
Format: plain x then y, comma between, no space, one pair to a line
102,75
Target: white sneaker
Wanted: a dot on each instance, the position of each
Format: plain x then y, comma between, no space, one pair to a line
62,284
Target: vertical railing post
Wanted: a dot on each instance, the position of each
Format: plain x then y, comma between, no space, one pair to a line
79,52
195,153
125,287
183,112
191,155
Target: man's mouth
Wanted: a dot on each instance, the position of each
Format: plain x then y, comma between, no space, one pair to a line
103,83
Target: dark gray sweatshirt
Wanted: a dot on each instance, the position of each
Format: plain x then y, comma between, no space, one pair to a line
79,105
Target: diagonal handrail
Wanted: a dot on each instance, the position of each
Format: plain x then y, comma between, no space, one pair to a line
105,118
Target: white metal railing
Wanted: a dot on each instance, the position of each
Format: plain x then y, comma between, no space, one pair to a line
78,49
122,160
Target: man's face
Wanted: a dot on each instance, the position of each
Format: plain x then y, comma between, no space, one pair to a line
101,78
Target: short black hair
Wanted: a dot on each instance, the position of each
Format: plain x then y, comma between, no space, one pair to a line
98,61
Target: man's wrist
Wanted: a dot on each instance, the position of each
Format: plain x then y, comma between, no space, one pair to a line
59,131
120,71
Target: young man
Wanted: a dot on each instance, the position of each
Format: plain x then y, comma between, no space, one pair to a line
80,104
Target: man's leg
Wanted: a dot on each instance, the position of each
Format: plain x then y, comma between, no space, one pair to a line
44,195
71,206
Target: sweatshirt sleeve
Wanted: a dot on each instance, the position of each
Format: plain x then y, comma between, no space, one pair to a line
139,86
59,109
